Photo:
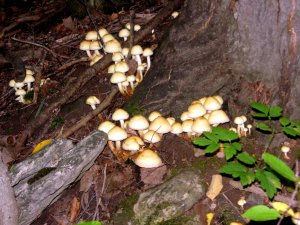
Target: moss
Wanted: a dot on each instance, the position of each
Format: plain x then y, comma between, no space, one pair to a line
126,208
177,221
204,166
133,108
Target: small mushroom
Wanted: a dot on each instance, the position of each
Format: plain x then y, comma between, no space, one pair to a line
136,51
241,202
28,80
85,46
147,53
21,93
124,33
116,134
120,115
285,149
148,159
92,101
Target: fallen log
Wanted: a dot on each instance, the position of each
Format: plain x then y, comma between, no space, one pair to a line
39,180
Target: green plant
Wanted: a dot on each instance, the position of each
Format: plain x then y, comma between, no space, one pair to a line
90,223
58,120
266,170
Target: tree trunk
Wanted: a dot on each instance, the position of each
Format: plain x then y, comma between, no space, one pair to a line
242,50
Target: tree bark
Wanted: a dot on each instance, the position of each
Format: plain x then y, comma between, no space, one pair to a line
242,50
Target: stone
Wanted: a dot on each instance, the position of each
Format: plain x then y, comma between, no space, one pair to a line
170,199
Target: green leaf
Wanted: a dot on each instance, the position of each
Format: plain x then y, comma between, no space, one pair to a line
247,178
246,158
275,111
212,148
260,107
237,146
267,181
229,151
90,223
295,123
284,121
225,134
234,169
259,115
202,142
279,166
211,136
290,131
261,213
264,127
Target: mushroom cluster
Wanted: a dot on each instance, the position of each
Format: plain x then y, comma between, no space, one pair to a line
242,130
18,86
137,134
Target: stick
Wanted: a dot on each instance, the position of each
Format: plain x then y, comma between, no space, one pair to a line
89,116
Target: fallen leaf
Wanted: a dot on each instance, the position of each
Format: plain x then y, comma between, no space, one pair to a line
41,145
215,186
153,176
74,211
69,23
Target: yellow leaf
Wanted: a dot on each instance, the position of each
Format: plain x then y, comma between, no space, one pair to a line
209,217
215,187
41,145
282,207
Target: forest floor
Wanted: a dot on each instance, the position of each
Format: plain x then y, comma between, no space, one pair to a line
110,181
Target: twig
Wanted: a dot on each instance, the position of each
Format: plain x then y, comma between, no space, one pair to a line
131,37
38,76
41,46
69,64
89,116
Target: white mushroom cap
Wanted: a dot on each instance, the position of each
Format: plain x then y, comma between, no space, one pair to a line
108,37
136,51
91,36
202,100
185,116
19,85
106,126
138,122
147,52
21,93
176,128
187,126
102,32
85,46
12,83
111,68
148,159
201,125
112,46
124,33
92,101
117,57
132,143
136,27
121,67
175,14
211,104
160,125
120,115
196,110
219,98
125,51
117,134
238,120
117,77
28,80
29,72
153,115
151,136
218,116
171,120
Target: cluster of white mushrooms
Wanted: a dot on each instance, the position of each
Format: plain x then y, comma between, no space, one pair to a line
138,134
18,86
119,70
242,129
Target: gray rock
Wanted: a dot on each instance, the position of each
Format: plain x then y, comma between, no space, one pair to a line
170,199
62,166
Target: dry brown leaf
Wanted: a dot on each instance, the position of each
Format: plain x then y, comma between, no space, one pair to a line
153,176
215,186
69,23
88,178
75,208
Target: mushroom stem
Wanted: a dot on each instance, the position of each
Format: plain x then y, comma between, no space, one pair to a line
88,52
138,59
28,86
111,146
93,106
139,76
148,63
121,89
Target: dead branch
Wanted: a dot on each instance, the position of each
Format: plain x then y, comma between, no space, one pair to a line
90,72
8,207
72,63
91,115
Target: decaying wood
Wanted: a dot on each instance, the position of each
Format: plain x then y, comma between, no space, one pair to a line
90,72
40,180
91,115
8,207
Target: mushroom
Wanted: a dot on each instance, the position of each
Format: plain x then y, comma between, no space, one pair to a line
19,85
108,37
102,32
151,137
117,57
124,33
28,80
116,134
131,80
112,46
240,124
95,46
160,125
148,159
111,68
249,126
132,143
12,84
147,53
153,115
241,202
121,67
136,27
201,125
118,78
212,104
138,123
176,128
218,116
91,35
185,116
139,74
85,46
106,126
171,120
125,51
92,101
96,59
187,127
285,149
136,51
120,115
196,110
175,14
21,93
